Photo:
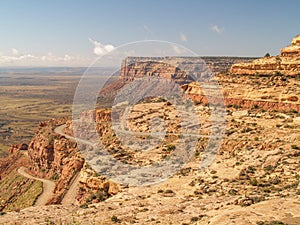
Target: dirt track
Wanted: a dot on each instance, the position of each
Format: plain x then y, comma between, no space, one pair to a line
48,187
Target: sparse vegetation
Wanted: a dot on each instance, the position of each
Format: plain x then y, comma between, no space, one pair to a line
26,100
170,147
269,168
115,219
253,182
84,206
54,177
20,192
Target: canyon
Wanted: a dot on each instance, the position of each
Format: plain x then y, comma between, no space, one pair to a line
254,178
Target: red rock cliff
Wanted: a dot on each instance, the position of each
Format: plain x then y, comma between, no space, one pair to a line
287,63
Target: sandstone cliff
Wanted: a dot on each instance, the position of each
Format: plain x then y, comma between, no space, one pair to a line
132,66
54,157
165,67
287,63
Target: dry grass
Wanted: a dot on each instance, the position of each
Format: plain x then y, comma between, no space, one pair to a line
20,192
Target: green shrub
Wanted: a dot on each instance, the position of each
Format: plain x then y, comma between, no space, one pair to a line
253,182
55,176
84,206
236,106
170,147
194,219
115,219
169,191
269,168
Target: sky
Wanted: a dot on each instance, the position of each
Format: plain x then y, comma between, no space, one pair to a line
75,32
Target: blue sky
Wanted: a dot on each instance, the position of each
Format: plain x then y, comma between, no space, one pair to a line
71,32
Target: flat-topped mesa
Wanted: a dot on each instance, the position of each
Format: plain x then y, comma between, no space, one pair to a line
287,63
133,68
176,68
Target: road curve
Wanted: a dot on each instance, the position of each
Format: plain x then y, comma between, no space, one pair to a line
60,130
48,187
70,195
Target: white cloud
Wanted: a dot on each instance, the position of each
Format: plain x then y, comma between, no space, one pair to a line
15,52
183,37
101,49
15,58
18,58
217,29
67,58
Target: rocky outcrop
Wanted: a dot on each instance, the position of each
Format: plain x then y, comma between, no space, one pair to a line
293,50
54,157
93,187
18,147
287,63
13,161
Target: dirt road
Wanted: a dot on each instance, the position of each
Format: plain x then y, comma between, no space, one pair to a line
48,187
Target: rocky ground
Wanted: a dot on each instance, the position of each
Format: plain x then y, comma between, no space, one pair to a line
253,180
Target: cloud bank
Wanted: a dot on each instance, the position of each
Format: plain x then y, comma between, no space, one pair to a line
101,49
17,58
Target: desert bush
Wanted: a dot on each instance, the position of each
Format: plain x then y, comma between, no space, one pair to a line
115,219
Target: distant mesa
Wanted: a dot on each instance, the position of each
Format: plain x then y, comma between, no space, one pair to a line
174,68
287,63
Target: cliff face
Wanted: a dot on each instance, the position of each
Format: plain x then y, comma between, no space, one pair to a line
153,68
14,160
169,67
275,67
54,157
287,63
273,92
165,67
